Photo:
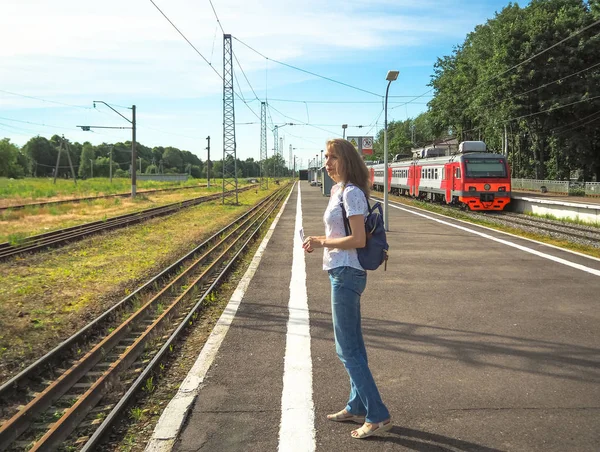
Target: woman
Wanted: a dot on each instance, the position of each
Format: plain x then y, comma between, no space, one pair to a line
348,280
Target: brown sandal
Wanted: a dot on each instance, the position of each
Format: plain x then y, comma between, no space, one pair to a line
369,429
344,416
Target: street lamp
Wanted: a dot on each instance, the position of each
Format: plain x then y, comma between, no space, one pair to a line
391,76
344,127
321,157
133,154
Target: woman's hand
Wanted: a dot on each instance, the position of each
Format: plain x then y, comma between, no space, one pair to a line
311,242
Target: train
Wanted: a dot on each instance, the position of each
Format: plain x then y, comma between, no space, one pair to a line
473,178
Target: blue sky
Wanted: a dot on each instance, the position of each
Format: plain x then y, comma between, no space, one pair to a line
73,52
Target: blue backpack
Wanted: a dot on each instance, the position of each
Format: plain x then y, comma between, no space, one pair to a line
375,251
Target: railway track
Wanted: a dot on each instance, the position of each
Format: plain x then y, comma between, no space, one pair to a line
61,236
91,198
580,234
71,397
554,228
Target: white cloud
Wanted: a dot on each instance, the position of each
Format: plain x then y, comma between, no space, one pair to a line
126,52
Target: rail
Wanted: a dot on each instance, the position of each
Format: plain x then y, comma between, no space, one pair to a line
131,349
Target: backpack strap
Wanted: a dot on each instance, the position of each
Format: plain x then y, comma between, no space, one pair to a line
345,216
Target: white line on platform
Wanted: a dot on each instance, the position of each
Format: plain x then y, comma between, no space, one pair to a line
506,242
169,425
297,430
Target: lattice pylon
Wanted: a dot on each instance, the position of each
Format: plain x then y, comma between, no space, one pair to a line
264,176
275,148
230,182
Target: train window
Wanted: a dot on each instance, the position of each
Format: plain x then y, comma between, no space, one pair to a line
435,175
485,168
443,173
457,175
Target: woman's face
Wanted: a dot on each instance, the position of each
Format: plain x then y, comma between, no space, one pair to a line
331,161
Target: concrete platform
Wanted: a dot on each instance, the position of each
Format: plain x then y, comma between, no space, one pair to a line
586,209
592,200
479,341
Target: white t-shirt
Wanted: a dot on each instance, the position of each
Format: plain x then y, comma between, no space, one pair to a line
355,203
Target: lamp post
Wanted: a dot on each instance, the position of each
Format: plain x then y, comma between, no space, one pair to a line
321,157
391,76
344,127
133,154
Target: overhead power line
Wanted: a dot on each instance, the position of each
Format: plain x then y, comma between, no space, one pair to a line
538,113
35,123
305,71
186,39
544,85
572,35
217,17
202,56
333,101
45,100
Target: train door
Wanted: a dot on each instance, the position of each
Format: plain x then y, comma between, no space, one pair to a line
449,183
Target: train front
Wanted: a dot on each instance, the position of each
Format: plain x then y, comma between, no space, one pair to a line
486,183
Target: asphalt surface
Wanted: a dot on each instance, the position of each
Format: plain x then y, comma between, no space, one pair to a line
475,345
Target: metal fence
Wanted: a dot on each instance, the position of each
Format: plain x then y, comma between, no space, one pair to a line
556,186
164,177
551,186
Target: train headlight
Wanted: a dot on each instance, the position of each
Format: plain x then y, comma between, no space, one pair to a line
472,189
487,186
501,188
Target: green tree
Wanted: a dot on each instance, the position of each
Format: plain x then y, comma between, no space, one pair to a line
9,156
172,158
42,156
85,165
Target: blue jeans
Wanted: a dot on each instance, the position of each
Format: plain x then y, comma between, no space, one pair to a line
347,285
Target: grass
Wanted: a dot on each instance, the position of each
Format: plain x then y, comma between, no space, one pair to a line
15,225
576,220
45,297
28,190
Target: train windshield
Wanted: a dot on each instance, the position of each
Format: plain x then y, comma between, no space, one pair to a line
485,168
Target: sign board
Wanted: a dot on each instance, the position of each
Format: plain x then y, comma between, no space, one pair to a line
364,145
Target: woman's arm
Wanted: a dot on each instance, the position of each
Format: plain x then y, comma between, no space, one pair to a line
357,238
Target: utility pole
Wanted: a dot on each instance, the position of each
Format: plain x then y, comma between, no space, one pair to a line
133,154
110,169
64,144
208,163
280,154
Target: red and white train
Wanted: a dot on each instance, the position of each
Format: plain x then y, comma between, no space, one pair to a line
473,178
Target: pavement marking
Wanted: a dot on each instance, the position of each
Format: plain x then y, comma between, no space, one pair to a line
297,429
497,231
506,242
169,425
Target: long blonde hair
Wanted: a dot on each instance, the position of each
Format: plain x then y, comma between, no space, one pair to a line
350,165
